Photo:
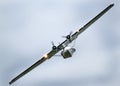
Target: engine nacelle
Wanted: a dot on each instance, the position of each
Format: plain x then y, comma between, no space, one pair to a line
68,52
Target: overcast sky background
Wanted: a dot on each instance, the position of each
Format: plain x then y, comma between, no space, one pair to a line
27,28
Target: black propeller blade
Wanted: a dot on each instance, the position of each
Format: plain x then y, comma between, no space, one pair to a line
53,46
68,36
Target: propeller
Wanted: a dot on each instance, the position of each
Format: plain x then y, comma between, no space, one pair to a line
53,46
68,36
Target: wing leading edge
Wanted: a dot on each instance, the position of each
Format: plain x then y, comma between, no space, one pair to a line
62,45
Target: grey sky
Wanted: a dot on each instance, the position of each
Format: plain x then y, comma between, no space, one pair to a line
27,28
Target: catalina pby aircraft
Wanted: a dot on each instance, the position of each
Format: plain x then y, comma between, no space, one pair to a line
66,50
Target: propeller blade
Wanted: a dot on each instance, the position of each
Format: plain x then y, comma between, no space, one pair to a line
67,36
53,43
70,33
63,36
53,46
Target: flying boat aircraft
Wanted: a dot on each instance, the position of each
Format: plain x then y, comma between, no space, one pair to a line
67,51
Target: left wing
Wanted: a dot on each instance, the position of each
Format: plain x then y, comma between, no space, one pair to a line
45,57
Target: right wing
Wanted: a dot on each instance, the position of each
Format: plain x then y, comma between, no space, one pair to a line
91,22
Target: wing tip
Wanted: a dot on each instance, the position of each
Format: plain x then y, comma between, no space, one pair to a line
112,4
10,82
